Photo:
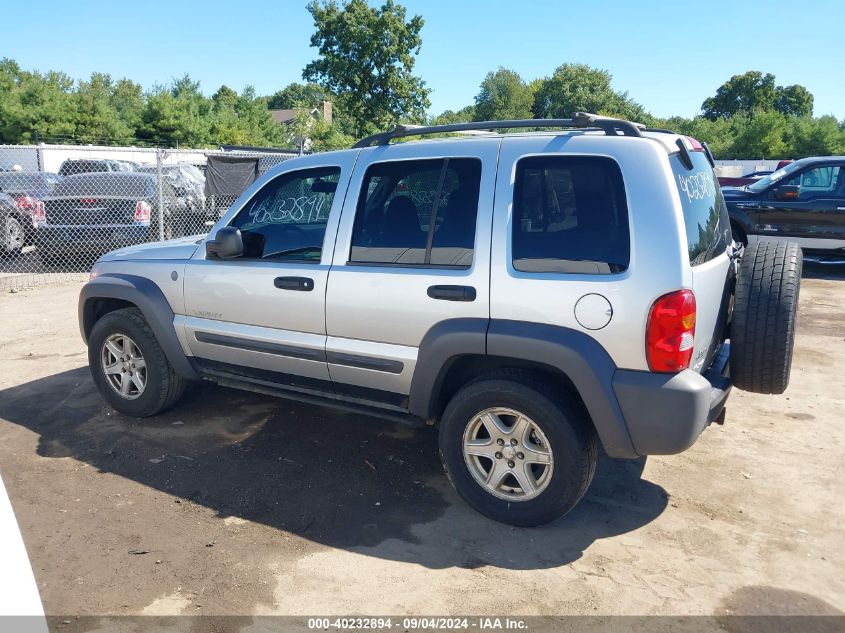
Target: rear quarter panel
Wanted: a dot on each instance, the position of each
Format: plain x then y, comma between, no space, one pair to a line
658,262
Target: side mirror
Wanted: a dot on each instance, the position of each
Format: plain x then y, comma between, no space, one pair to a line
227,244
786,192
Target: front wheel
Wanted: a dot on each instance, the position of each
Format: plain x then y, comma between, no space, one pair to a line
129,367
515,450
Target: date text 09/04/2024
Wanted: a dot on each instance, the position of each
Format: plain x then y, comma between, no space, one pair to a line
417,623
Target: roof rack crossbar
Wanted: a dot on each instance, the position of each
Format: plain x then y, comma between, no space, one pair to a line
580,120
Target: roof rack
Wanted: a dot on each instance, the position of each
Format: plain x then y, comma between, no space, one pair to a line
580,120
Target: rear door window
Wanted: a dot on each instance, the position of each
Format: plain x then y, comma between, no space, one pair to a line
570,215
706,220
420,212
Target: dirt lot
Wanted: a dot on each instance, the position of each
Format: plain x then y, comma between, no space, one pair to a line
246,505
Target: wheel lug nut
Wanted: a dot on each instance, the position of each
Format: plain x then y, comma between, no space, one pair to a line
513,441
520,455
498,455
510,464
500,442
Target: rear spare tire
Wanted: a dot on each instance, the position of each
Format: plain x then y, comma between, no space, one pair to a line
764,316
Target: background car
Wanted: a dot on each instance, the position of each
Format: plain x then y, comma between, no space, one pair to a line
747,179
803,202
74,166
188,183
90,214
27,190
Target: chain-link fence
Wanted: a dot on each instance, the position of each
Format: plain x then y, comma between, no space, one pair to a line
62,206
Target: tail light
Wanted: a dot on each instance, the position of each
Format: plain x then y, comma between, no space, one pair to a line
670,333
142,211
34,206
696,146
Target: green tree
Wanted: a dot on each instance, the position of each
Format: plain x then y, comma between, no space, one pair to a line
503,95
464,115
755,92
795,100
298,95
815,137
366,57
582,88
98,120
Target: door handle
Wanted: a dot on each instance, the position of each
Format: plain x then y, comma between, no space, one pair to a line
452,293
294,283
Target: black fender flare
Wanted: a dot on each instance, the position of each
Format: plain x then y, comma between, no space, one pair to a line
149,299
578,356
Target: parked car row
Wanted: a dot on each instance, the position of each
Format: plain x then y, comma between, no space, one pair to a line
94,205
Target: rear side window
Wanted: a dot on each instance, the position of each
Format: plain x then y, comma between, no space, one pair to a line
418,212
570,216
705,214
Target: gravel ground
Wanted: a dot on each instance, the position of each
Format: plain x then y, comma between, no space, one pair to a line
241,504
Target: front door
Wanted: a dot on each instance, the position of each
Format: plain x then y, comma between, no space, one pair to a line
816,217
413,250
262,315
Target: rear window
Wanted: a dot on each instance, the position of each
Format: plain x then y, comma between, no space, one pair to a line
705,214
570,215
124,186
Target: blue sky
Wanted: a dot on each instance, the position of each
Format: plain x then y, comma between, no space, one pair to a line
669,56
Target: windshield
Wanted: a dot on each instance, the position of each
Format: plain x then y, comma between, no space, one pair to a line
766,181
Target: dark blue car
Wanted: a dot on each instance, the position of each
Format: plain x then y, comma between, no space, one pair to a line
803,202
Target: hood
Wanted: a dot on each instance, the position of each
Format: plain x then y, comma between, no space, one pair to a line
181,248
737,193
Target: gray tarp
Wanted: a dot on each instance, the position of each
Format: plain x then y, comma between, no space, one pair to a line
229,175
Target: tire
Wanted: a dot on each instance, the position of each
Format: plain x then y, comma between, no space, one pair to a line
764,316
13,237
162,386
565,430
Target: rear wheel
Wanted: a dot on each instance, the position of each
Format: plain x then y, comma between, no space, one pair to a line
129,367
515,451
764,316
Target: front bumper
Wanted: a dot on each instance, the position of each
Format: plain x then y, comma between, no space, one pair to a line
665,413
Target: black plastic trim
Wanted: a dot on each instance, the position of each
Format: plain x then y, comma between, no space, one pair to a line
582,359
149,299
365,362
279,349
360,400
441,346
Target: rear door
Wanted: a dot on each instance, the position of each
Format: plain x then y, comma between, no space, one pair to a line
262,315
413,250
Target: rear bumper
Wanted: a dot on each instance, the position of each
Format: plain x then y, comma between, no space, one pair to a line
665,413
90,239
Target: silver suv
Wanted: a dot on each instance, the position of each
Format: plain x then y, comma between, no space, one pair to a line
534,294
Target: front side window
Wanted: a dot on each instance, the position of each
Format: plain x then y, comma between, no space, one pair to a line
570,215
818,182
419,212
287,218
